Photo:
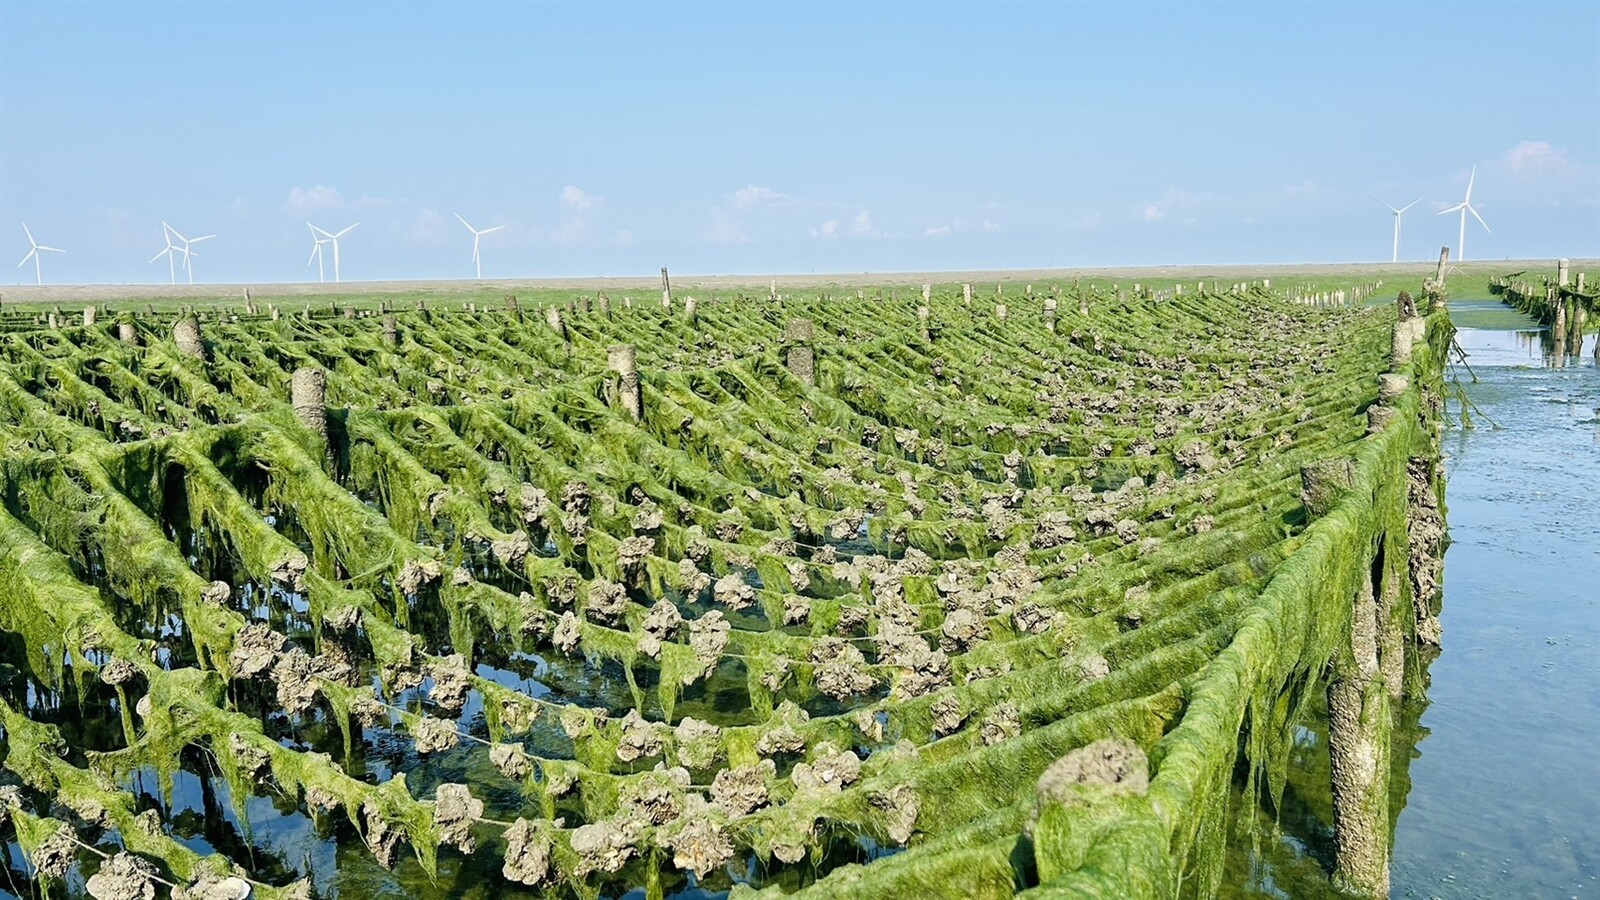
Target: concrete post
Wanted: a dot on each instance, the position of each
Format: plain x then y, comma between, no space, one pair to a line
800,357
88,317
966,294
623,360
552,315
186,334
1358,710
391,330
1050,314
1563,271
308,392
128,333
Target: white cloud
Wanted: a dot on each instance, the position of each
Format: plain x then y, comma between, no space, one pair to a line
576,199
1086,223
239,206
754,195
827,230
862,226
579,210
427,228
1154,213
303,200
939,231
623,238
989,226
1537,158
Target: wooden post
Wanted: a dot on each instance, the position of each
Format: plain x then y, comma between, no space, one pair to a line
1444,261
924,316
1563,271
391,330
927,293
128,333
1000,313
308,392
966,294
1401,346
186,334
666,289
800,357
691,310
552,315
772,291
1050,314
623,360
605,306
88,317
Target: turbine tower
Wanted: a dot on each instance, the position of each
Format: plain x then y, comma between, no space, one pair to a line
1397,213
333,239
316,252
1464,207
477,261
169,252
33,253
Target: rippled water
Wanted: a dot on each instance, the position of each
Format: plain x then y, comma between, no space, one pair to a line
1505,793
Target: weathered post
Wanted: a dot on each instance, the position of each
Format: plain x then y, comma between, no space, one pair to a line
623,360
966,294
308,392
552,316
1050,314
924,317
605,306
772,291
1323,482
1000,313
350,313
128,333
927,293
512,307
1400,350
800,357
1563,271
186,334
666,289
1560,306
88,317
53,321
691,310
1391,385
1444,261
1358,715
1580,282
391,330
1083,299
1405,306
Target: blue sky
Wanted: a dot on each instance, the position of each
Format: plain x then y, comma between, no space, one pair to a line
724,138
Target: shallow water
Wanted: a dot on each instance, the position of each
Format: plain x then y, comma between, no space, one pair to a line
1505,793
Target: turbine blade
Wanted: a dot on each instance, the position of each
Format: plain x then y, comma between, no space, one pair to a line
51,249
1446,212
31,254
464,222
346,231
199,239
315,249
1470,179
319,230
175,233
492,230
161,254
1480,219
25,230
1408,205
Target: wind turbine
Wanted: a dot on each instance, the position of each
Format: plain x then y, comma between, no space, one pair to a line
33,254
316,252
1465,206
477,235
186,250
334,239
171,249
1397,212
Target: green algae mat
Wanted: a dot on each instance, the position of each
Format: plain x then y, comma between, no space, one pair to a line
850,597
